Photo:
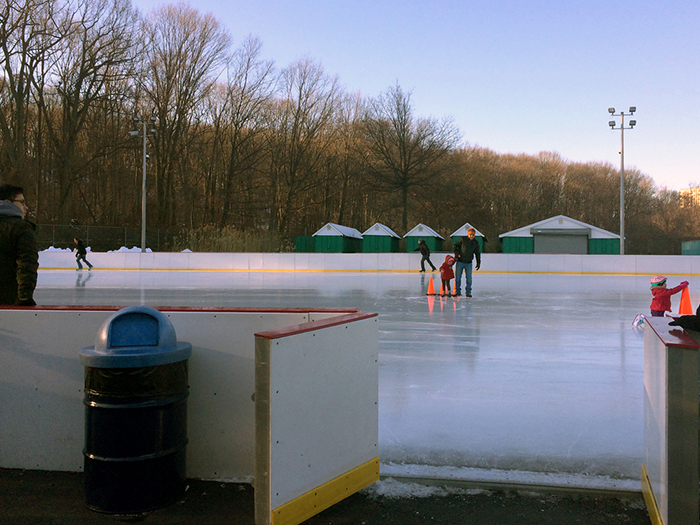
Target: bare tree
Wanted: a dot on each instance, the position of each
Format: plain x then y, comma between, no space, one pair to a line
249,92
186,54
301,132
26,36
96,49
405,151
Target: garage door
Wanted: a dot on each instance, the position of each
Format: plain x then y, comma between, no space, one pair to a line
561,243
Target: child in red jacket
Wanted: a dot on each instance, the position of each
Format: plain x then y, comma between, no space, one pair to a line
446,274
661,302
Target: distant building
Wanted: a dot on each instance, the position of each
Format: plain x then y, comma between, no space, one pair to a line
689,197
560,234
432,238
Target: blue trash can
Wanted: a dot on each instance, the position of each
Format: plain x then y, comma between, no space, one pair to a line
136,391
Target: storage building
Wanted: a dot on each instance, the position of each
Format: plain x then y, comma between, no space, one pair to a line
334,238
560,234
462,232
432,238
380,239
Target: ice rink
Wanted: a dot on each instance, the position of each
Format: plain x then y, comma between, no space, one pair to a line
534,374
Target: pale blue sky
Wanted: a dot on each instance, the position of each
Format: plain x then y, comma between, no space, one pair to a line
516,76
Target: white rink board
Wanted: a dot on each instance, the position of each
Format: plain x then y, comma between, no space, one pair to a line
42,380
383,262
316,408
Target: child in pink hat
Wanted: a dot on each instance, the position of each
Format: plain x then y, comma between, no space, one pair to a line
661,301
446,274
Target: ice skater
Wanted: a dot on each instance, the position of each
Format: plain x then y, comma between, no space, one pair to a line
446,274
661,301
425,252
80,254
466,250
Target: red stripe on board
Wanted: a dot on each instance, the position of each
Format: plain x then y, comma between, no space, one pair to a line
315,325
673,336
243,309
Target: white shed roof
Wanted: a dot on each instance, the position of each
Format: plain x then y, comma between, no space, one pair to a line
337,230
421,230
462,232
560,222
380,230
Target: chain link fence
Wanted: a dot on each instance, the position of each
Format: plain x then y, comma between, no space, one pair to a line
103,238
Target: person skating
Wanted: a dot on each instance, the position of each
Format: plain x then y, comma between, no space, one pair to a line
425,252
446,274
661,302
81,254
466,249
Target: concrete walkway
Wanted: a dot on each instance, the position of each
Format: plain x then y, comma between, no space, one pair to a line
39,497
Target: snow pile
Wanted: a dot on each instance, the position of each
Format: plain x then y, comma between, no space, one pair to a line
392,488
124,249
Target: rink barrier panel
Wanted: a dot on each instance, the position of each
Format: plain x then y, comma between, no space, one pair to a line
649,500
41,383
671,422
372,262
316,437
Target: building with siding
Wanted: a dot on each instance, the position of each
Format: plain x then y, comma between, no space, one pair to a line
462,232
334,238
380,239
560,234
432,238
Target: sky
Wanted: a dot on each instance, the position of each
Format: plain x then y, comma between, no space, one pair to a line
516,76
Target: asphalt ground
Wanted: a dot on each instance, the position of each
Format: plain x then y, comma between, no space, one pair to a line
52,498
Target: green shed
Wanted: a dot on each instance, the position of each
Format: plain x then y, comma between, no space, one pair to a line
690,248
432,238
462,232
380,239
304,244
560,234
334,238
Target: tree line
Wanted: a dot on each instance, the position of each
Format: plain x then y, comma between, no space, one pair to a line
244,146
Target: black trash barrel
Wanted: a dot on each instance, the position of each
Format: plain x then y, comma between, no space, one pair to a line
135,413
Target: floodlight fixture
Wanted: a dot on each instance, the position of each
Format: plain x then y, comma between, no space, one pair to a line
611,123
633,109
633,123
134,133
611,110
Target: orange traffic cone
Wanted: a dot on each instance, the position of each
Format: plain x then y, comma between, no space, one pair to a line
431,288
686,308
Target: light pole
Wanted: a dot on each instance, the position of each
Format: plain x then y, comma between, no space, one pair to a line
622,129
145,134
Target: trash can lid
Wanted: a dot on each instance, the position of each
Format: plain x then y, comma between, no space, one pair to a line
135,337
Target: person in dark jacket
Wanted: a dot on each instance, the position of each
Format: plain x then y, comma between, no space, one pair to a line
19,259
466,249
81,254
425,252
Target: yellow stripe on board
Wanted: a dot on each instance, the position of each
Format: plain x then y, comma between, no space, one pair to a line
307,505
652,509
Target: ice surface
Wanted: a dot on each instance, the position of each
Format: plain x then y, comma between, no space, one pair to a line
536,373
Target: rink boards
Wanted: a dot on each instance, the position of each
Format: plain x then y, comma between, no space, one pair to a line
315,402
378,262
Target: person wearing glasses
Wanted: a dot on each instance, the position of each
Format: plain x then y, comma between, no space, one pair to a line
19,259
